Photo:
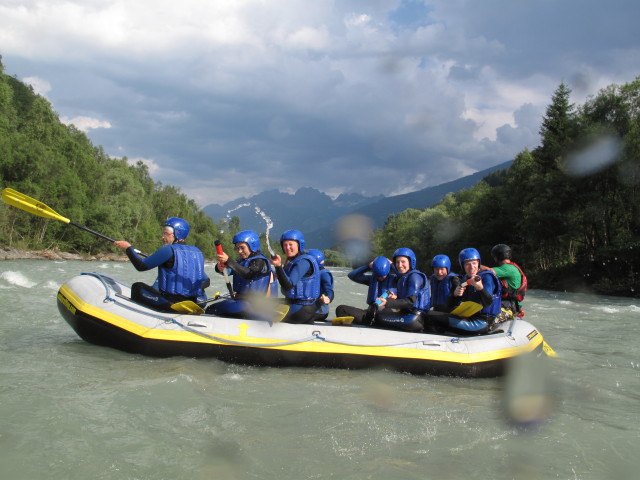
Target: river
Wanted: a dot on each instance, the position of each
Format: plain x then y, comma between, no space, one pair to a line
72,410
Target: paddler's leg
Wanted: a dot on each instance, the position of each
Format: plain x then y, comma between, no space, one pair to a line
300,314
409,322
467,326
349,311
149,296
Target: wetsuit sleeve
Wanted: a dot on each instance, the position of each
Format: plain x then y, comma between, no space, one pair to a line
361,275
326,284
257,267
402,303
486,295
298,271
415,283
160,256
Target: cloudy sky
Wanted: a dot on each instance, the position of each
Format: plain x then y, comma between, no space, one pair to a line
228,98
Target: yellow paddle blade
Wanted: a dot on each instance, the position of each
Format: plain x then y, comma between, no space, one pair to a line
280,312
266,308
548,350
187,306
347,321
28,204
466,309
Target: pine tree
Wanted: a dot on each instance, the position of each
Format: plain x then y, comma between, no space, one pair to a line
557,129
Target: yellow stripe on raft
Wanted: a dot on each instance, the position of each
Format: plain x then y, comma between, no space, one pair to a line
309,346
89,309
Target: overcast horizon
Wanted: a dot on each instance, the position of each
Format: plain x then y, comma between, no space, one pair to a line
231,98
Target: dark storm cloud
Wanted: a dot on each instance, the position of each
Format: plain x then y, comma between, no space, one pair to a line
232,98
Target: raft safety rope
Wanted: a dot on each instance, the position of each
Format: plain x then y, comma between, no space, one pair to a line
315,336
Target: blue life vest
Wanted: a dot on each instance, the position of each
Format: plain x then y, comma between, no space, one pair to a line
307,290
471,294
440,289
376,288
326,283
423,296
260,283
187,274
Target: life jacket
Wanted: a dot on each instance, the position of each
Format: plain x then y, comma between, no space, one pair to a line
376,288
440,289
326,278
307,290
262,283
186,276
471,294
515,295
423,296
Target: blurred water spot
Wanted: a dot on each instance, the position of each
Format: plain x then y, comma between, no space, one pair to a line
354,234
529,391
595,155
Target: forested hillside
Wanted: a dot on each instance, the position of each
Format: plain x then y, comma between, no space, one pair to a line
57,165
570,208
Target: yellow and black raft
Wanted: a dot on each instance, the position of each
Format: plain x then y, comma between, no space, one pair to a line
100,310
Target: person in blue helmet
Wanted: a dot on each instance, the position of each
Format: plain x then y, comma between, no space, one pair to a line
442,282
252,275
407,307
379,276
299,278
477,286
326,287
180,267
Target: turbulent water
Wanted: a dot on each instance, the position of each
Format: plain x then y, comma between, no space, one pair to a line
71,410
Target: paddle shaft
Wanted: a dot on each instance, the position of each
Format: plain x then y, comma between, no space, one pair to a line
224,268
103,236
87,229
35,207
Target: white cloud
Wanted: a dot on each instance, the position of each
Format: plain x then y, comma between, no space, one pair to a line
39,85
85,123
152,166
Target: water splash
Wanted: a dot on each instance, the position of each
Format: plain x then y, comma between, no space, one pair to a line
259,211
269,223
17,279
227,217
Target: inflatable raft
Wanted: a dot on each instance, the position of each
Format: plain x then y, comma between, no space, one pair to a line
101,312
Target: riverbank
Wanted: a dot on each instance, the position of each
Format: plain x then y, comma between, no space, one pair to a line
11,253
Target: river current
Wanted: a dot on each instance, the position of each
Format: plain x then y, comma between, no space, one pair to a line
72,410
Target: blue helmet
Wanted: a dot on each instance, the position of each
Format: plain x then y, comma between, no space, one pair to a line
440,261
467,254
251,238
293,235
319,256
380,266
180,227
406,252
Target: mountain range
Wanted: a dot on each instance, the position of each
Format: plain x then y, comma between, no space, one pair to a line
315,213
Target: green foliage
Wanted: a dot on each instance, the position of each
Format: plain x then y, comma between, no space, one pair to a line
334,258
59,166
569,210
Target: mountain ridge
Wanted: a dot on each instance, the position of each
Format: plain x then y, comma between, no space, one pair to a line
315,213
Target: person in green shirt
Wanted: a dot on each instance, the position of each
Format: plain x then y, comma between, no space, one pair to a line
513,279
